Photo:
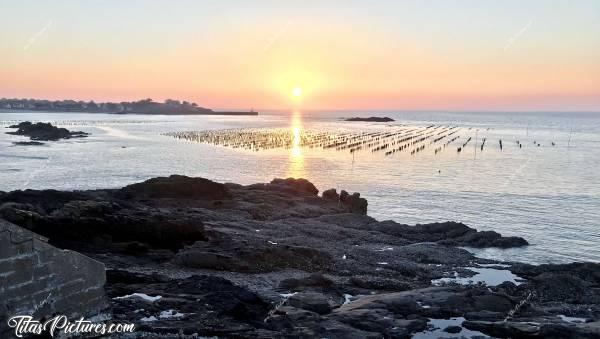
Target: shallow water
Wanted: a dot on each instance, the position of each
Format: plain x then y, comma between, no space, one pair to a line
437,326
487,276
549,195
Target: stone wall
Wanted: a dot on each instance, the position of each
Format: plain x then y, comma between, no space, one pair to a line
41,280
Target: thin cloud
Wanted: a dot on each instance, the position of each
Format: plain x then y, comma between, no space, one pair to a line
516,37
37,35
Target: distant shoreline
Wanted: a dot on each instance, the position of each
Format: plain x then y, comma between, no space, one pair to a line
253,113
145,106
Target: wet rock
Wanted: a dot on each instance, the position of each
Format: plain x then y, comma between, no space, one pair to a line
562,287
93,220
44,131
377,320
505,329
486,239
354,276
444,301
433,253
254,258
371,119
337,330
203,304
448,233
485,315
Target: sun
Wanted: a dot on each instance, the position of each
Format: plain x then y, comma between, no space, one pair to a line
297,92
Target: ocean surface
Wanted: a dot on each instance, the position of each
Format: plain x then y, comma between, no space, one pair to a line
543,185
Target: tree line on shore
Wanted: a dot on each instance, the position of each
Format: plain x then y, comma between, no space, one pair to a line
145,106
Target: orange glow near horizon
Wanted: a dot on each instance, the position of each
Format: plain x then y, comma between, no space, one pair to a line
314,60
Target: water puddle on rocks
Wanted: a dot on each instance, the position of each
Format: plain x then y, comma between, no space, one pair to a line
493,265
574,320
488,276
436,329
142,296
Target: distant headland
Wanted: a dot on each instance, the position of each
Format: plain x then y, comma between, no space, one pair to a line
145,106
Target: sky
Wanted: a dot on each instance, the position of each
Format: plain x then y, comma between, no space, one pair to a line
476,55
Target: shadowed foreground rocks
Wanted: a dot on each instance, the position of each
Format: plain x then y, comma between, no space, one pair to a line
192,256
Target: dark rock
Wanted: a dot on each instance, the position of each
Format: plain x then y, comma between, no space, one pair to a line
44,131
287,319
311,281
207,304
355,276
562,287
378,320
76,224
371,119
379,284
300,186
315,302
433,253
177,187
354,202
448,233
28,143
337,330
503,329
260,258
331,195
453,329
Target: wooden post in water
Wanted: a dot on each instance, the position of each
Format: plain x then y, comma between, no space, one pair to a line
476,131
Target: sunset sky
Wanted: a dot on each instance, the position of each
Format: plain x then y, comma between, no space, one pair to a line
409,55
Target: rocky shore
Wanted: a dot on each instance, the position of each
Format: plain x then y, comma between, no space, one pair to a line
189,257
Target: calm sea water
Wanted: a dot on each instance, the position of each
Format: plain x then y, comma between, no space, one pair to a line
548,194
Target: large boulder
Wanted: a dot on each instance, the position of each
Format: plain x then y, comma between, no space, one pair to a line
299,186
354,202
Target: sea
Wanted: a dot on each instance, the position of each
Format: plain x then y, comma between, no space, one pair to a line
543,184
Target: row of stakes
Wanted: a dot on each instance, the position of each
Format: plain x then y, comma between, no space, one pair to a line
405,139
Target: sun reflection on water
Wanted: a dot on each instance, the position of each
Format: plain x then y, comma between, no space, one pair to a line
296,159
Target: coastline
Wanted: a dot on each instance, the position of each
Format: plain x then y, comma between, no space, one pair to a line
248,113
278,260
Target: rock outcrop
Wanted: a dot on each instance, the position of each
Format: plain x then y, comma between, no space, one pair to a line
42,131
